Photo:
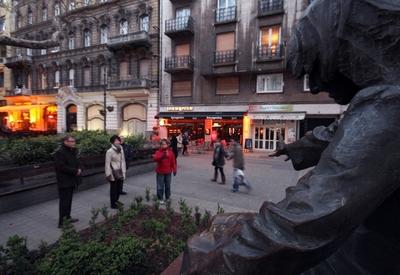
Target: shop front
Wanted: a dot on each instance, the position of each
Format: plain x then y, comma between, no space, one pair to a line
29,115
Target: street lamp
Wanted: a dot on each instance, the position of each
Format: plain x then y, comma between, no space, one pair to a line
105,107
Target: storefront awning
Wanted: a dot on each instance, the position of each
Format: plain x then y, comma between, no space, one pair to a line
8,108
277,116
200,115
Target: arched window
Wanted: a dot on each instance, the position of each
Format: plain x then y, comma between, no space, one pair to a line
87,38
95,121
123,70
144,23
87,80
134,119
57,9
30,17
44,13
104,35
71,42
103,74
57,79
71,77
123,27
43,80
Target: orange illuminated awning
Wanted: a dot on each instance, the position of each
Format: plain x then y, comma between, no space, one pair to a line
20,107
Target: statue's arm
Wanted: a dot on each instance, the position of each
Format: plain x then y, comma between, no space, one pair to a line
317,214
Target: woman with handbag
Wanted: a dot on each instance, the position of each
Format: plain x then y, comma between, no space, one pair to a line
115,169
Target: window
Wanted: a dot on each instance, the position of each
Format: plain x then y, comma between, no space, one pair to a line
144,23
103,74
228,85
103,35
270,83
55,49
43,80
144,71
3,51
87,38
71,42
87,2
86,76
57,10
181,88
226,3
71,77
71,5
44,13
29,52
123,70
306,83
2,24
57,79
123,27
182,12
270,40
1,79
182,50
225,41
43,51
30,17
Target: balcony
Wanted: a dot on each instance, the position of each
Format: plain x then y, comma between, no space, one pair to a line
182,63
225,58
89,88
270,53
225,15
269,7
18,61
47,91
136,39
178,27
18,92
129,82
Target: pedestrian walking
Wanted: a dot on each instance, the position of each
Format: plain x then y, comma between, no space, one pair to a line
68,173
166,165
238,167
128,154
115,170
174,146
185,142
180,140
218,162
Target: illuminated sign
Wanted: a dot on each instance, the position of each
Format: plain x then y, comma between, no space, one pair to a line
179,108
270,108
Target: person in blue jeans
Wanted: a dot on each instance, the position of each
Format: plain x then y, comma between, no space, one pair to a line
238,167
166,165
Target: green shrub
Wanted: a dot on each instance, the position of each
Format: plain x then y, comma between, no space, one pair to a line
14,258
136,142
154,227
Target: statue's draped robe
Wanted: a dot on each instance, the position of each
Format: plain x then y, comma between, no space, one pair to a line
342,217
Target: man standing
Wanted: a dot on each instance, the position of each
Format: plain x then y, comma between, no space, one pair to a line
68,174
218,162
128,153
185,142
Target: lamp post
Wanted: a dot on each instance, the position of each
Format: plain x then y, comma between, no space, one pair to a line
105,100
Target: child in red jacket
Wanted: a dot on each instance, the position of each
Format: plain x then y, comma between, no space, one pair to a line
166,165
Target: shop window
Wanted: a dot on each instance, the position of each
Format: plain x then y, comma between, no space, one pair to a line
144,23
227,85
87,38
306,83
270,83
87,76
181,88
123,27
104,35
123,70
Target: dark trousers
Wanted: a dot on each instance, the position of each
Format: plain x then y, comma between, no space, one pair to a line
115,187
65,195
221,170
163,184
184,149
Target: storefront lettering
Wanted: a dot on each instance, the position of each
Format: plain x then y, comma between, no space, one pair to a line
179,108
213,117
270,108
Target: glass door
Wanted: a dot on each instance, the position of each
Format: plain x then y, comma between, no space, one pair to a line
267,138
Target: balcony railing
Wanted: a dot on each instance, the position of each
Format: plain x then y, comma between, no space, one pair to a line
47,91
140,38
269,6
89,88
18,60
179,25
179,63
223,15
270,52
225,57
18,91
129,82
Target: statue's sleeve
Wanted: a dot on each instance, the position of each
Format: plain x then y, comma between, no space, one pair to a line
306,152
356,173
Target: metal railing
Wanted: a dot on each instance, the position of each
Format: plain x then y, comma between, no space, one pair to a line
89,88
268,6
129,82
19,58
184,23
221,57
270,52
225,14
139,36
184,62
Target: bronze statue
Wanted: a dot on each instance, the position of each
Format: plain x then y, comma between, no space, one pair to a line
343,217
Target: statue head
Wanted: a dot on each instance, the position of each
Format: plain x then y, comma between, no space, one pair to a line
347,45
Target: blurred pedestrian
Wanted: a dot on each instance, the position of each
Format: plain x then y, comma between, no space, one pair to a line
238,167
218,162
179,138
174,146
166,165
128,154
68,173
185,142
115,170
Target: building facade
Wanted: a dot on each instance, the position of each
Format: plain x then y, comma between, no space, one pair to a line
103,74
224,73
5,73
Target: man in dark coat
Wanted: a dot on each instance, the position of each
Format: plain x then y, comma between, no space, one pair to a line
68,172
128,153
218,162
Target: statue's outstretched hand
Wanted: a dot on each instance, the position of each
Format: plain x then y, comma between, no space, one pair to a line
281,149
